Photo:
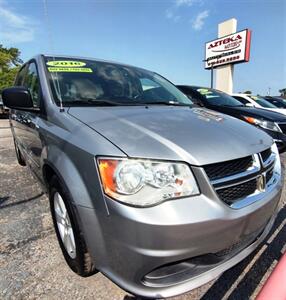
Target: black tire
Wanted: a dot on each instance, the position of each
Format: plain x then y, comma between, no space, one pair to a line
19,156
82,264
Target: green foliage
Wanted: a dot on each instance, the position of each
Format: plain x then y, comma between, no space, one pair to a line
9,64
283,92
247,92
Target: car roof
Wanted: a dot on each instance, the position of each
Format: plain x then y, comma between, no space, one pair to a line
61,56
240,94
195,87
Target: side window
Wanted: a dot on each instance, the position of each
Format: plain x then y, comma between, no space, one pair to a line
20,76
31,82
148,84
241,99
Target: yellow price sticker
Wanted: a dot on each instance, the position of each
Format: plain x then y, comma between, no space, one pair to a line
204,91
70,70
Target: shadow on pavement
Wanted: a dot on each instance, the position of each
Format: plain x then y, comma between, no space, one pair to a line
19,202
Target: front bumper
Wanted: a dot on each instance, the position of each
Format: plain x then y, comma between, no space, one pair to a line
132,246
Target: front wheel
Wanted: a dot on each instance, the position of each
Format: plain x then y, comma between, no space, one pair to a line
68,232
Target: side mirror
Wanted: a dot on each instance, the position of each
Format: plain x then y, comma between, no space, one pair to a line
249,105
17,97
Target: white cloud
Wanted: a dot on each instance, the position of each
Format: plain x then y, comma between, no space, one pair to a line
185,2
170,14
199,21
174,12
14,28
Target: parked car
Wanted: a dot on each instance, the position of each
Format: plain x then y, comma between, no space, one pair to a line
277,101
259,102
158,195
271,122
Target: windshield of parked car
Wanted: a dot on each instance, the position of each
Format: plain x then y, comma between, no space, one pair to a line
277,102
217,98
262,102
81,82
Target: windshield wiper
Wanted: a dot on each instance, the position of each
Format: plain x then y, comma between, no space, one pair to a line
103,102
97,102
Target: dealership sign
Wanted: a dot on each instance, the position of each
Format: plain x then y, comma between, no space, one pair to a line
230,49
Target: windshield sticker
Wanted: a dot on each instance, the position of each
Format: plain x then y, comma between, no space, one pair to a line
254,98
70,70
66,63
204,91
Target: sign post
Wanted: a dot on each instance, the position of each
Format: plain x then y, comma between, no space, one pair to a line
230,48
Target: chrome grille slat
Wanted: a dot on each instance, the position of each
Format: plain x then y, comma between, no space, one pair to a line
241,185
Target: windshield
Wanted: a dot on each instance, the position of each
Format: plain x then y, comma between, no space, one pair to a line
262,102
81,81
277,102
214,97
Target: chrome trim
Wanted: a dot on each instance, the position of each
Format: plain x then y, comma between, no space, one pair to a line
259,168
277,141
271,159
277,124
255,168
237,183
256,196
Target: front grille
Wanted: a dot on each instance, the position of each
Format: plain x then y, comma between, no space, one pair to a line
228,168
282,127
269,175
265,154
231,194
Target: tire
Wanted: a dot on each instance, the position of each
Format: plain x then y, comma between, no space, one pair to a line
19,156
74,248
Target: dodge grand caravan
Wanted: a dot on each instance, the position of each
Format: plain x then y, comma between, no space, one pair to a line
157,194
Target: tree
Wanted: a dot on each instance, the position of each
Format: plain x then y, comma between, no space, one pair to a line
283,92
247,92
10,62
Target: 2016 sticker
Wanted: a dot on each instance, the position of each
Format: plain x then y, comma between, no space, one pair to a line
66,63
204,91
70,70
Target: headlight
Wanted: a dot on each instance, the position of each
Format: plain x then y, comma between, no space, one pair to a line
145,182
262,123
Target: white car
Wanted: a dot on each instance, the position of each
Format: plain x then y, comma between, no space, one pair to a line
259,102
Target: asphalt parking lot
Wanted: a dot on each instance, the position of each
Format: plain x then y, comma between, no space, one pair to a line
32,266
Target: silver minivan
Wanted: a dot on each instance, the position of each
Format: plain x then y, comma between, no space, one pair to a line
159,195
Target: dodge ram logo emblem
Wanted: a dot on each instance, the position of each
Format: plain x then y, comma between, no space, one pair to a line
261,183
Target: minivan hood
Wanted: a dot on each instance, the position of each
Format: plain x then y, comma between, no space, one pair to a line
198,136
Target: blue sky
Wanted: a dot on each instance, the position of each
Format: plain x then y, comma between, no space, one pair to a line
164,36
